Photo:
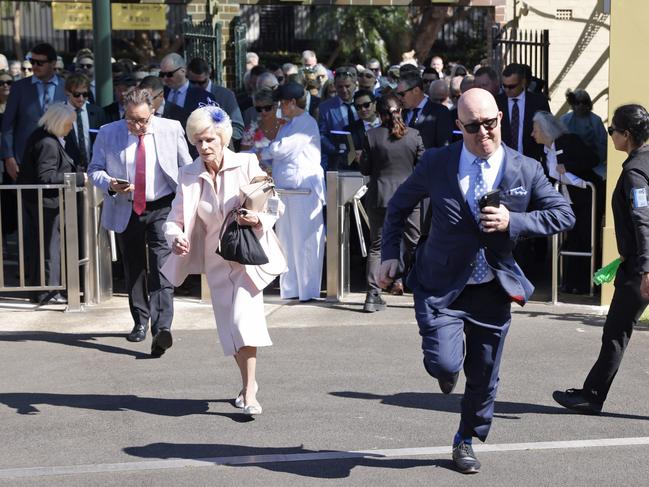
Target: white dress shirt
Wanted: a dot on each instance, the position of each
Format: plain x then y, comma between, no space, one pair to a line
156,182
521,116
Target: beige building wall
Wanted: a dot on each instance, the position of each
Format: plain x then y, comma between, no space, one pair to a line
579,46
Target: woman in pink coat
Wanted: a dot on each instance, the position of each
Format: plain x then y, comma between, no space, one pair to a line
208,189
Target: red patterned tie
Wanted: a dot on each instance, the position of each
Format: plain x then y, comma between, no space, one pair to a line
139,197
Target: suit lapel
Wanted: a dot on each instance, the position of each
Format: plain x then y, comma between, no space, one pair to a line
122,138
510,171
452,168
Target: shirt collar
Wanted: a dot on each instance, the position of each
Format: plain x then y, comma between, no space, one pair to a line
520,98
422,103
183,89
54,80
495,160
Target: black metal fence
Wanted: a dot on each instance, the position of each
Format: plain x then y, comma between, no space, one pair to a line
522,46
36,26
203,40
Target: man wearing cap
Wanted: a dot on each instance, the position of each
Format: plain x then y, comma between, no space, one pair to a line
295,155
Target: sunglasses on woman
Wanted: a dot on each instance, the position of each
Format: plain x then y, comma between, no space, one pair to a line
77,94
474,128
611,130
265,108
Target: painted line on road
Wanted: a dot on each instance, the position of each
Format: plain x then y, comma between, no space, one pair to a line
302,457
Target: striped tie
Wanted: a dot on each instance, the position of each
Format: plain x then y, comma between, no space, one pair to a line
479,189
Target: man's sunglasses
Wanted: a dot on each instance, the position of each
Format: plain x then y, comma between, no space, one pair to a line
198,81
168,74
26,69
403,93
85,66
474,128
510,87
77,94
363,105
265,108
38,62
8,82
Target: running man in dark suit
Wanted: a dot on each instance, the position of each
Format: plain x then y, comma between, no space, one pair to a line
465,276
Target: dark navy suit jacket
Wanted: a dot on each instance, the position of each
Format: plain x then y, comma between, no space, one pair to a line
444,261
21,116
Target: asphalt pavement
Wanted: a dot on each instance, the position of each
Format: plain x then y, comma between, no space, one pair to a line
346,402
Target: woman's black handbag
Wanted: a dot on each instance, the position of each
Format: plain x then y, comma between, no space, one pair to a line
240,244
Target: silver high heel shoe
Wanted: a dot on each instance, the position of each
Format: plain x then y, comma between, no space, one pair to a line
239,401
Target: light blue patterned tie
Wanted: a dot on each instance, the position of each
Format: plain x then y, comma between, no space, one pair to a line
479,189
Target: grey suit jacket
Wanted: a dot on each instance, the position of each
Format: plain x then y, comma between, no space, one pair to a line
21,116
109,161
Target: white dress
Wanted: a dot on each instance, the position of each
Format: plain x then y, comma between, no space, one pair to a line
296,165
238,307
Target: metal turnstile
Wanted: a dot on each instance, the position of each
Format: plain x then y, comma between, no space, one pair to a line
344,191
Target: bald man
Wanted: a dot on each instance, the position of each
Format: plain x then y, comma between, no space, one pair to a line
465,277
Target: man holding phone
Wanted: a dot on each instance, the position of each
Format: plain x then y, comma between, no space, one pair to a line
483,197
135,163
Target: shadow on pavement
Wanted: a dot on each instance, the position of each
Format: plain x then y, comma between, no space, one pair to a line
25,403
451,404
82,340
334,468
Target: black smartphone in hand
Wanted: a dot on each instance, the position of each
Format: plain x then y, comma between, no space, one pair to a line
491,198
121,181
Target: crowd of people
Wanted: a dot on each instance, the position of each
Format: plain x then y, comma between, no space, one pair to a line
460,165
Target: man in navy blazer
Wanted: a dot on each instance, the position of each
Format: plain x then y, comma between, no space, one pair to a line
465,277
335,114
27,102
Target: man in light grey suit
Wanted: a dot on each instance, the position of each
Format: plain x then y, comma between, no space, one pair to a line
27,102
135,163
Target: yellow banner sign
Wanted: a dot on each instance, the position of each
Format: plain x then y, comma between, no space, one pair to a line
133,16
72,16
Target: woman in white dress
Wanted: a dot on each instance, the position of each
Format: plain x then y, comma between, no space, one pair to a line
295,153
208,190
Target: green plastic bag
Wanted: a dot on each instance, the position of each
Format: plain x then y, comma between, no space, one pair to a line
606,273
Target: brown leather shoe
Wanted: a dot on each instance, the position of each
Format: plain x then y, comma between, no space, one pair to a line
397,288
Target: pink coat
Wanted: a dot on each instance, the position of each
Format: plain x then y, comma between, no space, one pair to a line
238,170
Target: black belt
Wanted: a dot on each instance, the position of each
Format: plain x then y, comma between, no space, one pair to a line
163,202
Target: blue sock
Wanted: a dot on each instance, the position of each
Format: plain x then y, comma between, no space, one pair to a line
457,439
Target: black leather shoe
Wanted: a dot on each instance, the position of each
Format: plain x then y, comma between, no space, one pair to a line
575,400
447,385
374,302
138,333
464,459
161,342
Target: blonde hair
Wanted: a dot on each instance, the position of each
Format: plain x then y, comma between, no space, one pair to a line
207,117
54,119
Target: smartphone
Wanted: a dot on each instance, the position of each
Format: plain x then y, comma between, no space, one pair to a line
122,181
491,198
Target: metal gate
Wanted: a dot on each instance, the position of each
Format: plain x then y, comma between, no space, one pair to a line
203,40
522,46
240,48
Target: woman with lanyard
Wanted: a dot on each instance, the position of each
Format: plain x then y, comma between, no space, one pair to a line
630,202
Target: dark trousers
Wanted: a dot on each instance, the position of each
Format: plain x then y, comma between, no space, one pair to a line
150,294
625,311
408,245
52,247
482,314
